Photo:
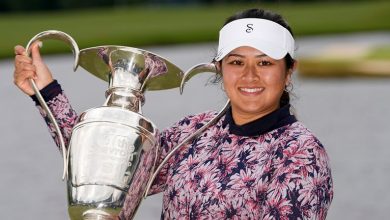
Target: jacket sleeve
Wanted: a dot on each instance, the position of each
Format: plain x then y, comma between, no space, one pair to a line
301,187
63,112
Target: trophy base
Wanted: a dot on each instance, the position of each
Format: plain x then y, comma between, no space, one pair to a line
90,213
95,214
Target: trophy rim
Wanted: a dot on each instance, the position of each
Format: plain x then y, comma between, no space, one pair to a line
99,67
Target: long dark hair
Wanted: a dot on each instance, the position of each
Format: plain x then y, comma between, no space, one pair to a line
272,16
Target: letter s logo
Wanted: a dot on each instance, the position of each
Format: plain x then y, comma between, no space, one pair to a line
249,28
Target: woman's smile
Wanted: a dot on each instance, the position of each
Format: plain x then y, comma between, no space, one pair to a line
251,90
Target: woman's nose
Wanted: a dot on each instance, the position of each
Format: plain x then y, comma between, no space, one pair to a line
250,72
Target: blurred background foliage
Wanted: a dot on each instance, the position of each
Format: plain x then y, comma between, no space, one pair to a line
139,23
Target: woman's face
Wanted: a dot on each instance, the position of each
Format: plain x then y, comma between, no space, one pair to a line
253,82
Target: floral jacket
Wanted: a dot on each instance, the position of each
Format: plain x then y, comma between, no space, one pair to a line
271,168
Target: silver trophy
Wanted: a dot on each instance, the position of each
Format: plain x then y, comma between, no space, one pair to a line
112,150
110,161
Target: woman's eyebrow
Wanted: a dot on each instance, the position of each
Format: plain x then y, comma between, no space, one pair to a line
235,55
242,56
262,55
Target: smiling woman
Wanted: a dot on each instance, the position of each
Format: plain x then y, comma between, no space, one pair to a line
257,161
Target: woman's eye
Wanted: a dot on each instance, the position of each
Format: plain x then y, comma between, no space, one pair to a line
235,62
264,63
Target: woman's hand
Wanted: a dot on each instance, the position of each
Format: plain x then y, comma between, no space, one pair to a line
30,68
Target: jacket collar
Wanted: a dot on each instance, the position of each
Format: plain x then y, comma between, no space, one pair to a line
273,120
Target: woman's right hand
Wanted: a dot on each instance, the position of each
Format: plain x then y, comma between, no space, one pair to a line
30,68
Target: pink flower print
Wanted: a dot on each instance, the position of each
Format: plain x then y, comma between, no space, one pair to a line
283,181
198,121
295,156
233,209
261,154
208,185
314,190
226,163
243,181
277,209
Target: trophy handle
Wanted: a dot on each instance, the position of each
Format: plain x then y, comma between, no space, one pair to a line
195,70
55,35
200,68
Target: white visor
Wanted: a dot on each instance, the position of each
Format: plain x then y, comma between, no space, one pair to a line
267,36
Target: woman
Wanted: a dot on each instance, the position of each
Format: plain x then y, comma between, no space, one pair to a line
257,161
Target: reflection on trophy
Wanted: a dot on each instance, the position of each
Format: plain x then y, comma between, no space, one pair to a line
112,151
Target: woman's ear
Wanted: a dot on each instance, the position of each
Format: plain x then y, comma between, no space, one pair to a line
294,67
290,72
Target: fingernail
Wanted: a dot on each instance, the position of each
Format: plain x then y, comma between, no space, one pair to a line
40,44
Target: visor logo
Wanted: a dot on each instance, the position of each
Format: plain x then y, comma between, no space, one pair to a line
249,28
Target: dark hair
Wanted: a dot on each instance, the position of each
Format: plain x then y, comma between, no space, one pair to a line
272,16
